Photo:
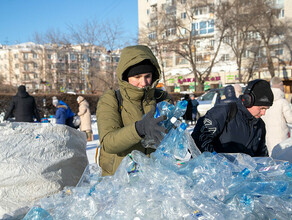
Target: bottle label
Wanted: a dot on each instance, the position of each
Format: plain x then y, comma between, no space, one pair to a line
197,214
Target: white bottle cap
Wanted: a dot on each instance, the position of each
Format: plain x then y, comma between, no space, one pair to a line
173,120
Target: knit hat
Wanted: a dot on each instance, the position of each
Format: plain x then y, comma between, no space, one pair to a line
55,100
143,67
262,93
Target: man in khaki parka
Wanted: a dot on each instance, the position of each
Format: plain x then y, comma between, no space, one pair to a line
121,132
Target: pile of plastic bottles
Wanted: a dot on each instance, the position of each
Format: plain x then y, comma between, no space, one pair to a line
168,186
173,113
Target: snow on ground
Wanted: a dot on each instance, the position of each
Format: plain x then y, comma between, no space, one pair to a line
92,145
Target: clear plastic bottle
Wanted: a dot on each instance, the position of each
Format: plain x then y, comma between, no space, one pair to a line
180,150
38,213
178,111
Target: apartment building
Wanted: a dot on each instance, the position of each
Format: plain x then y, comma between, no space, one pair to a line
60,68
178,70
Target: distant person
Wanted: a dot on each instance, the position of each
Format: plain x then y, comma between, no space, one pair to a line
85,117
195,104
64,114
188,116
24,107
278,116
238,90
237,127
228,95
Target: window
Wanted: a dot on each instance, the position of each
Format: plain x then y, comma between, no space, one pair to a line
182,1
16,56
183,61
16,66
152,36
49,56
225,57
34,55
281,13
170,31
72,57
35,75
148,11
279,51
25,56
35,65
226,40
183,15
25,67
203,27
199,11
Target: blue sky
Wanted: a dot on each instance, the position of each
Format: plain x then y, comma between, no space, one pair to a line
19,19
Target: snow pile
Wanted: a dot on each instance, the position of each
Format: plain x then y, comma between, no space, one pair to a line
37,160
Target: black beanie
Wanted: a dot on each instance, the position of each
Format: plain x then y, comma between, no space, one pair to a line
143,67
263,94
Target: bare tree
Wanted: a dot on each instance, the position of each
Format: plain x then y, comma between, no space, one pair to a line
107,35
269,28
154,37
90,34
51,36
186,38
239,36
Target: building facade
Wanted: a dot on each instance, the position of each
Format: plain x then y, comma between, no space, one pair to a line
59,68
203,25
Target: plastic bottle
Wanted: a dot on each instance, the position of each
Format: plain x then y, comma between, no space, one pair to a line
172,144
274,170
176,123
180,108
37,213
177,112
164,108
180,150
236,185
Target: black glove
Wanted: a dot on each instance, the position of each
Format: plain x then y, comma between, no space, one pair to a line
149,127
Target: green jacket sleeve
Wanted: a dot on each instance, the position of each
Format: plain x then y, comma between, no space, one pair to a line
113,135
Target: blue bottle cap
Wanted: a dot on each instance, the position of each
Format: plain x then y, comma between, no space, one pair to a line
183,126
245,172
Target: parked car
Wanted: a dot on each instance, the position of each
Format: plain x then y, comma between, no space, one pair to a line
207,100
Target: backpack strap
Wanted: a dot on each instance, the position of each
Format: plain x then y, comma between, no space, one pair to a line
232,111
119,99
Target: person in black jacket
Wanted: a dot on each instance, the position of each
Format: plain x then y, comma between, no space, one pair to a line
188,116
229,95
245,132
24,107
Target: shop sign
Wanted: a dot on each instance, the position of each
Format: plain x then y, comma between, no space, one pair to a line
182,80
